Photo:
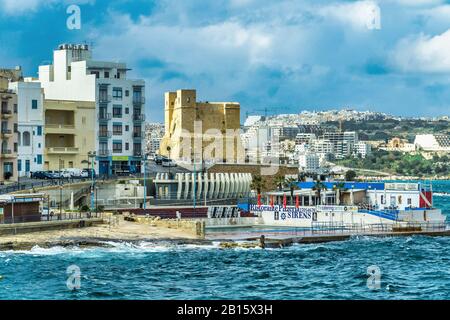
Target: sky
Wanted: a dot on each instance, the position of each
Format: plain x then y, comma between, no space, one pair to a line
285,56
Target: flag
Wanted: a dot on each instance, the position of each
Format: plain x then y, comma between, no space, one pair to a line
297,202
284,201
259,200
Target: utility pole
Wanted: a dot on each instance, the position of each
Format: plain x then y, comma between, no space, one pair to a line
145,183
92,156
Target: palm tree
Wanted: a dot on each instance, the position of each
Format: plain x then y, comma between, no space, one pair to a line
319,186
338,188
258,184
280,181
292,184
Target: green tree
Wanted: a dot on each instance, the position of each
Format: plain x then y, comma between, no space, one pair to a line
350,175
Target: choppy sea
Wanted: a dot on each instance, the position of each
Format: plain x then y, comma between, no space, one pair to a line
406,268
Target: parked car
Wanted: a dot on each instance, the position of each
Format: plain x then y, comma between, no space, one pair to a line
159,159
38,175
45,211
73,173
87,173
168,163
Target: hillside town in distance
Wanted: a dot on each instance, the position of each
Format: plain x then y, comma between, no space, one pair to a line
339,140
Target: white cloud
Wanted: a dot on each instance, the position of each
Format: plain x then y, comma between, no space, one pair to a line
359,15
423,53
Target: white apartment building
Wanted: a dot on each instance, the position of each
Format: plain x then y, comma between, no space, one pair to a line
75,76
309,162
30,119
433,142
363,149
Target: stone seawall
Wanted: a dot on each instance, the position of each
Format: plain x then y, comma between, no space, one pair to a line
19,228
194,227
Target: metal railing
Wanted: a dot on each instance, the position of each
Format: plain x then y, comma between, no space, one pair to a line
54,215
104,134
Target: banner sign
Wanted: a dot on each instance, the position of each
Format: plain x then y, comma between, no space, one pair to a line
286,213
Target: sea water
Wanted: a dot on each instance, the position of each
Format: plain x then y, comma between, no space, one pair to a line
415,267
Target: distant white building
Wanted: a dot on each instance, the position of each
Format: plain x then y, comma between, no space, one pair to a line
154,133
433,142
309,162
30,127
363,149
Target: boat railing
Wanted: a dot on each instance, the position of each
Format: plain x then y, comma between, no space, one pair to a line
336,228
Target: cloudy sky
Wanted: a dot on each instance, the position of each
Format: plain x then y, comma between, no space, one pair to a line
283,55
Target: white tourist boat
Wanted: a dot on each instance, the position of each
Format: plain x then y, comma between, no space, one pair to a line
350,204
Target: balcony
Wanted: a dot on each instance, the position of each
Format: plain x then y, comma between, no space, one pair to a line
104,153
139,100
104,116
63,150
59,128
6,113
138,117
7,153
105,99
105,134
137,135
6,133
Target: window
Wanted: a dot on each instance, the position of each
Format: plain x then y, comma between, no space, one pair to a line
127,128
97,74
15,146
117,93
118,75
19,165
409,201
39,130
27,165
39,159
117,129
106,74
26,139
16,128
103,95
117,146
137,132
137,96
34,104
70,164
127,146
117,112
127,93
137,149
127,110
15,107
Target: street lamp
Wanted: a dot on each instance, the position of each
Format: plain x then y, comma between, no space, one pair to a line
92,155
145,181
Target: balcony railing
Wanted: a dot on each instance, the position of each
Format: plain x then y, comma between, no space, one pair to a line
104,153
137,153
6,111
59,126
104,134
62,150
6,152
105,116
139,117
137,134
6,131
140,100
105,99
